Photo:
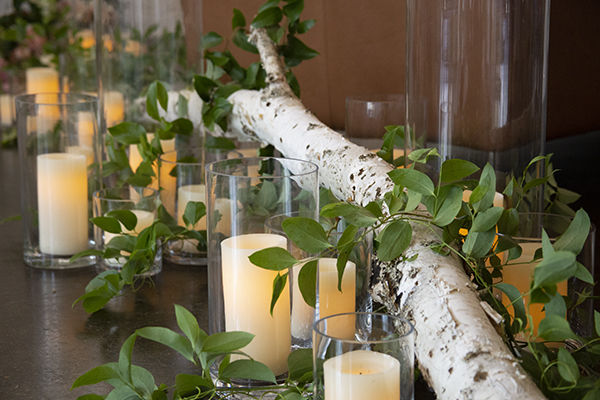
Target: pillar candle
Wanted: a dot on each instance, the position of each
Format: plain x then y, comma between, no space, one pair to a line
247,291
41,80
331,300
6,109
62,203
361,374
185,194
114,108
519,273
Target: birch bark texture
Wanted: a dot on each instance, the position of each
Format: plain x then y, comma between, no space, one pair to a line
457,347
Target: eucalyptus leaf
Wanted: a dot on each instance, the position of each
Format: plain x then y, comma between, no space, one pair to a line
451,203
194,211
125,358
212,39
126,217
307,282
567,366
393,240
226,342
516,300
238,20
189,325
248,369
107,224
576,234
299,363
307,234
486,220
355,215
555,329
556,306
127,133
279,283
554,268
456,169
170,339
273,258
478,244
98,374
414,180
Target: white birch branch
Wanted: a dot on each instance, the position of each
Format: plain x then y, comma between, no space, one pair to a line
457,347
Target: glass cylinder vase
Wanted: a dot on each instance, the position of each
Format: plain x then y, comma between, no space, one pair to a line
482,68
140,41
372,358
182,179
242,194
58,152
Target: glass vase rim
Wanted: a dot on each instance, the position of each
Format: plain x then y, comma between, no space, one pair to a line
410,331
163,155
377,98
64,98
314,167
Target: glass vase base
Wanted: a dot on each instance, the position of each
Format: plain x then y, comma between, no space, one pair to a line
39,260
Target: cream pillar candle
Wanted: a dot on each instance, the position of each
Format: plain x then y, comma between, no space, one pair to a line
41,80
519,273
114,108
247,293
360,375
332,301
185,194
62,203
85,128
7,110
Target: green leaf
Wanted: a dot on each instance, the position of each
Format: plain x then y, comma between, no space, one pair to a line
204,87
126,217
248,369
413,201
99,374
270,16
194,211
238,20
300,362
567,366
293,9
273,258
279,283
188,324
240,39
555,329
486,220
582,273
393,240
305,26
451,205
413,180
107,224
355,215
478,244
296,51
576,234
455,169
554,268
307,282
143,380
597,322
556,306
127,133
181,126
226,342
267,196
483,195
593,394
168,338
307,234
156,94
218,143
125,358
212,39
516,300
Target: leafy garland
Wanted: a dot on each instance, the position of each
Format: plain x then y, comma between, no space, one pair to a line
558,372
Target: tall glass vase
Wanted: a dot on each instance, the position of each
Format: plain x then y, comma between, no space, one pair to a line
482,69
242,194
